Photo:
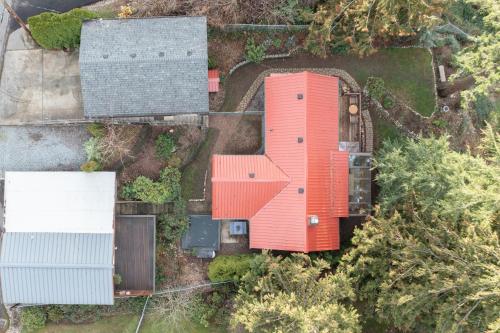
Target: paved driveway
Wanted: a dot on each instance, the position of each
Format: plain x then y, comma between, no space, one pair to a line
36,148
38,85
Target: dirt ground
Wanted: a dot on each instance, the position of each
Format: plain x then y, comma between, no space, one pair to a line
144,160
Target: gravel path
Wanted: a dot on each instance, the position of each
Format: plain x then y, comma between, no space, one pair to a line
41,148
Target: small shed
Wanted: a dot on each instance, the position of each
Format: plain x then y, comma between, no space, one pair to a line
202,236
135,254
213,80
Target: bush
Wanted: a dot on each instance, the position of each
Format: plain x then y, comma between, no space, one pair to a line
212,63
33,318
117,279
147,190
165,146
166,189
59,31
254,53
225,268
173,226
388,102
97,130
375,87
92,149
54,314
90,166
440,123
341,48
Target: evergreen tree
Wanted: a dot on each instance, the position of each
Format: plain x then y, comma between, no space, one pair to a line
361,23
294,294
430,258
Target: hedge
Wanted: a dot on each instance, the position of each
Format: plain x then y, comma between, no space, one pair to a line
226,268
59,31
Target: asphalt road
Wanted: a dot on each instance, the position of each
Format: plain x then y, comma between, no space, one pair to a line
27,8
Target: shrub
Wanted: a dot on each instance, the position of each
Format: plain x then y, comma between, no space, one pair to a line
388,102
165,146
254,53
33,318
224,268
174,161
173,226
117,279
341,48
440,123
166,189
97,130
147,190
375,87
212,63
59,31
90,166
93,150
54,314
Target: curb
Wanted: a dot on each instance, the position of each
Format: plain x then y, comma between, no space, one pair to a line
4,32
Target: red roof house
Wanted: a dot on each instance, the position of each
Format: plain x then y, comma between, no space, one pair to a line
213,80
294,194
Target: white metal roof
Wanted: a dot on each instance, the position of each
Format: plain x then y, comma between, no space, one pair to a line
67,202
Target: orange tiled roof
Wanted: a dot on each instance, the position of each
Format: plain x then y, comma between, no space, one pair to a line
301,174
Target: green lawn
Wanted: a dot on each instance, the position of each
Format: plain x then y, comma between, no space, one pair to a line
407,73
127,324
116,324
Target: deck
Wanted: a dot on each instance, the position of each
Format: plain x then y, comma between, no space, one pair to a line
135,254
350,119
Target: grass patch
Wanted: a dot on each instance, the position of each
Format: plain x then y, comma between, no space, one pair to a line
193,175
155,326
384,130
127,324
407,74
115,324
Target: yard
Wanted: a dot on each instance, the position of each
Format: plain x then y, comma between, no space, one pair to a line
406,71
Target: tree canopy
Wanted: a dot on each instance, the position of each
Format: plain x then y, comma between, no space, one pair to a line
361,23
429,258
482,57
294,294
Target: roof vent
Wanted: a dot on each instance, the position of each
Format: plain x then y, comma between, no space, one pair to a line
189,53
300,139
251,175
105,56
300,96
301,190
313,219
133,55
161,54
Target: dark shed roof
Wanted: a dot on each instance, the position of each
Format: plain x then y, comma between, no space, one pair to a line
135,252
141,67
203,232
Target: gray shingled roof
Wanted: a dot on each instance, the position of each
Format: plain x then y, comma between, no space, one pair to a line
141,67
57,268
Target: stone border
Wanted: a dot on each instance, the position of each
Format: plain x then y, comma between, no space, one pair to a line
366,132
387,116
